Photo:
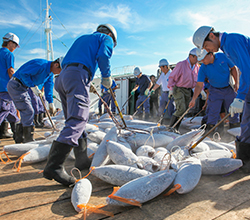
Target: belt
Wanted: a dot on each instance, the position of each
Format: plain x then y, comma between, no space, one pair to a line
165,91
18,80
80,65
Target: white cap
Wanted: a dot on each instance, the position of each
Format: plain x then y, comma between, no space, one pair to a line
200,35
193,51
163,62
112,29
201,54
137,71
11,37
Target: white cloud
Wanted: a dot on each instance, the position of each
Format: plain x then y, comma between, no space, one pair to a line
37,51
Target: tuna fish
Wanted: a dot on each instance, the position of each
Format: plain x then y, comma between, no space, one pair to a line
213,154
97,136
148,164
142,189
101,156
118,175
215,166
146,151
121,155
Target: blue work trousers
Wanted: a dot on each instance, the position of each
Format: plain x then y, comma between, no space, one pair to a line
140,99
217,98
245,122
163,103
7,108
22,101
107,97
73,88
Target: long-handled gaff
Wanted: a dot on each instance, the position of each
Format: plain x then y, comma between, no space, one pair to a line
162,115
47,112
126,102
196,115
209,132
140,106
117,106
106,106
57,98
176,123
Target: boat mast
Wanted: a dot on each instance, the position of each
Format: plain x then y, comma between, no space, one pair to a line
48,32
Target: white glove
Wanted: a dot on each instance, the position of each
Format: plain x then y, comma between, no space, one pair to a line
36,90
92,89
106,82
170,93
203,95
236,106
52,108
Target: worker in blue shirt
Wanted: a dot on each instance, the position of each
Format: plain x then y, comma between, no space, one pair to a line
145,84
30,75
237,48
216,68
73,86
7,107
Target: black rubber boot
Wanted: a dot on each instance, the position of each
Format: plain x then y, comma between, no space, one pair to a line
4,130
19,133
146,118
28,133
164,121
13,129
36,122
208,128
54,168
220,129
173,120
243,153
234,125
82,161
40,119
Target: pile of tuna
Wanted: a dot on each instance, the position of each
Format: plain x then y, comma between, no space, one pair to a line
143,160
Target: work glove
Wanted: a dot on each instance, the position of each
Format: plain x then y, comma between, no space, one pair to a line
132,92
146,92
170,94
203,95
106,82
36,91
52,109
236,106
152,92
92,89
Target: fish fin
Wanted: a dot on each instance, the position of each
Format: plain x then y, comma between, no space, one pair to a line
176,186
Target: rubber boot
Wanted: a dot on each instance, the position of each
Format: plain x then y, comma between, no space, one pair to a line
234,125
173,120
19,133
28,133
40,119
4,130
208,128
146,118
164,121
177,127
13,129
36,122
54,168
220,129
82,161
243,153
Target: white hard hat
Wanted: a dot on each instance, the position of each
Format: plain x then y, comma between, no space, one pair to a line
163,62
201,54
11,37
194,51
112,29
60,60
137,71
200,35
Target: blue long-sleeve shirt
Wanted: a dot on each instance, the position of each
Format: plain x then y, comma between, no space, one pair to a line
91,50
6,62
36,73
237,49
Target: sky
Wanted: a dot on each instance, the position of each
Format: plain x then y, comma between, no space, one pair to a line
148,30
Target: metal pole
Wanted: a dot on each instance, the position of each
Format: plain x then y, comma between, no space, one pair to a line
208,133
117,106
196,115
140,106
162,115
176,123
53,126
126,102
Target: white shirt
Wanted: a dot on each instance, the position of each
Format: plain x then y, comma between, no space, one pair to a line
163,81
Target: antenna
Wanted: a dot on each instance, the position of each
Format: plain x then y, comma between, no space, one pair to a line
48,33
